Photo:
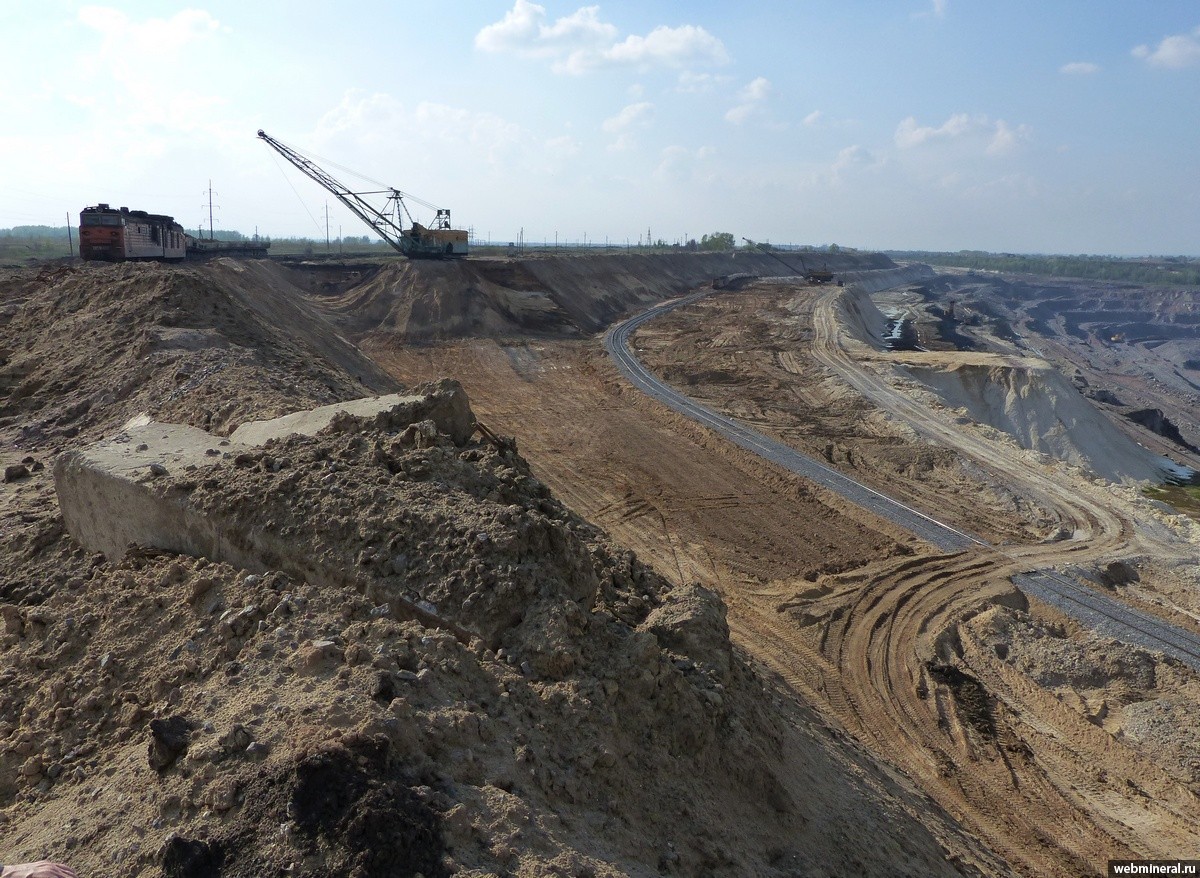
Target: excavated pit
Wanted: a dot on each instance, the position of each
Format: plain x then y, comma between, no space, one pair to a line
560,708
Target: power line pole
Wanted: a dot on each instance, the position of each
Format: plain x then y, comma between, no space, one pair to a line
210,211
327,226
70,241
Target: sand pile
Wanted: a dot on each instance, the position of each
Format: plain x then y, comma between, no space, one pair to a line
97,345
1036,405
1026,398
1140,697
576,714
561,296
572,713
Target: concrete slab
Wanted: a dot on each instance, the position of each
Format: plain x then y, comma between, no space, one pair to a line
443,402
107,491
313,421
122,491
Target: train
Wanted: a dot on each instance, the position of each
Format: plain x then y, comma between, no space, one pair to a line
118,234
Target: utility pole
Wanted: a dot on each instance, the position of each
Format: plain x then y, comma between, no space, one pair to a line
70,241
339,240
210,211
327,226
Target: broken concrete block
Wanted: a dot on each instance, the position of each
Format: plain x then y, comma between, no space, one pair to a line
443,402
107,505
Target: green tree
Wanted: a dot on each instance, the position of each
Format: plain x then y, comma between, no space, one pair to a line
717,241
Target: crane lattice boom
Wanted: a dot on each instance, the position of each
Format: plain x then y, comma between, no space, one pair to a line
440,242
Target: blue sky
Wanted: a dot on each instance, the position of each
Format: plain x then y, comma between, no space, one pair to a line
1067,127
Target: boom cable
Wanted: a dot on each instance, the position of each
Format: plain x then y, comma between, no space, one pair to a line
275,159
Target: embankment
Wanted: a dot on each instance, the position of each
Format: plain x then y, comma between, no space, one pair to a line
1026,398
553,296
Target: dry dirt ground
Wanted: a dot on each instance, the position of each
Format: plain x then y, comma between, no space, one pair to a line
1059,748
1055,748
583,713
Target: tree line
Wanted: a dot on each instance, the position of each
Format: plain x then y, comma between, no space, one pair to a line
1174,270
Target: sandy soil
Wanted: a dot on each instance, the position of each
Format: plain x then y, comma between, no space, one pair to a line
874,686
591,716
878,641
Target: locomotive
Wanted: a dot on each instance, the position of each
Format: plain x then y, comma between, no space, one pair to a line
113,234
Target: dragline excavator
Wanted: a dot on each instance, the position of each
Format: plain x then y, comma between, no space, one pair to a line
416,242
812,275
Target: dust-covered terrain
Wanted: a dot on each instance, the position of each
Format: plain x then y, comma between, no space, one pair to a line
780,675
573,712
872,632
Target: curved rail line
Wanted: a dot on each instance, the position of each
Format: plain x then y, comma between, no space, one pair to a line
1096,610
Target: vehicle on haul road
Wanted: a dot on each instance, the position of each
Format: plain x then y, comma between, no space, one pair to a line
112,234
116,235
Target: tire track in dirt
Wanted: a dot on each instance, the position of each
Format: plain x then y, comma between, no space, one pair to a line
602,446
886,663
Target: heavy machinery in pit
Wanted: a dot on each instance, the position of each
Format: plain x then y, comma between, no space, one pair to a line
439,241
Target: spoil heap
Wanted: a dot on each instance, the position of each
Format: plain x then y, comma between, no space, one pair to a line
557,708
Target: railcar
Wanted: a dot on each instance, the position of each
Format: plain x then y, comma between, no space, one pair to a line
112,234
118,234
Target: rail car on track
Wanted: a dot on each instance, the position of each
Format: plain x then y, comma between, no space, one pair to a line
111,234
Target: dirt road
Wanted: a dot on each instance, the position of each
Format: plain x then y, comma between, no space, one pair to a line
864,621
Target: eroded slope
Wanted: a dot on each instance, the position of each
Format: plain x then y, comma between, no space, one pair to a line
163,714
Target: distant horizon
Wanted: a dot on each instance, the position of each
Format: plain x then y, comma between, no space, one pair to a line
933,125
528,243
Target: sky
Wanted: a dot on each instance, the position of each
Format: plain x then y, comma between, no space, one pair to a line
1024,126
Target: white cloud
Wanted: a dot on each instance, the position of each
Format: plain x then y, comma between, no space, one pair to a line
373,121
751,98
757,90
690,81
1079,68
679,164
910,134
127,48
813,118
1175,52
623,123
627,117
160,37
662,47
852,159
524,30
563,146
581,41
1001,138
937,10
1006,139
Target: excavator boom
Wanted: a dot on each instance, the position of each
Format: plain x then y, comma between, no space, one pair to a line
417,242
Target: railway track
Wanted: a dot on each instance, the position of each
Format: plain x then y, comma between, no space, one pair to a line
1090,607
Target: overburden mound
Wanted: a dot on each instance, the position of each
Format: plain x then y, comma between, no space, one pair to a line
577,714
555,296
